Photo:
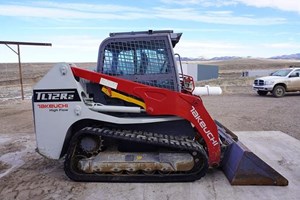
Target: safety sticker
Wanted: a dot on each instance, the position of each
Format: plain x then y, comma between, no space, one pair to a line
108,83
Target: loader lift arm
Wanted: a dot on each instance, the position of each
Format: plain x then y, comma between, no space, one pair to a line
161,101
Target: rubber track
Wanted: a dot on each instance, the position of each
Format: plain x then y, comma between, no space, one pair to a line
179,143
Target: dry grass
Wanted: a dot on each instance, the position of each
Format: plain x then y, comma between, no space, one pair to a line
32,72
229,79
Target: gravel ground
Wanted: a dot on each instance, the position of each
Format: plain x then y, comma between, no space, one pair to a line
25,174
250,112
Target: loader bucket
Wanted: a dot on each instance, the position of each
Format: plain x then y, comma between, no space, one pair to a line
242,167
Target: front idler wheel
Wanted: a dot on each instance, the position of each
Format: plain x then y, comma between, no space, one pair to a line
91,145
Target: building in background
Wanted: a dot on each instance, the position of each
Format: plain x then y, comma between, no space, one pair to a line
200,72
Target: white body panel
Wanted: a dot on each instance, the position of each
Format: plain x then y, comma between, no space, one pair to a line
54,118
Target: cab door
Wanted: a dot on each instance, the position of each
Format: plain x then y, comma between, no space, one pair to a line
294,80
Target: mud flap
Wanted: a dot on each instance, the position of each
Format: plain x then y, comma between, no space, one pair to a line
242,167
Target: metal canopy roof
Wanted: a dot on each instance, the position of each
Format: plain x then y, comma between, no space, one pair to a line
26,43
7,43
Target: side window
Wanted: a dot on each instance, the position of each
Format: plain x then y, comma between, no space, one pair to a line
118,63
107,61
136,57
157,61
126,62
143,60
296,73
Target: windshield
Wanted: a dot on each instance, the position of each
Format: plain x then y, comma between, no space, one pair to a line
282,72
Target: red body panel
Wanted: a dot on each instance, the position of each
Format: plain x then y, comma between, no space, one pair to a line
165,102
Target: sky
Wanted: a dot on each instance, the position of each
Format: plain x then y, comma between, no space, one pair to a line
211,28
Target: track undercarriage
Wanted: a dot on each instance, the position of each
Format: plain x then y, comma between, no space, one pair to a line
94,155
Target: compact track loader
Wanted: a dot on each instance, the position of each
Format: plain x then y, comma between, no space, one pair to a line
134,119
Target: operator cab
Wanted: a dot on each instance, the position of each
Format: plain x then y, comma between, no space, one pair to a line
145,57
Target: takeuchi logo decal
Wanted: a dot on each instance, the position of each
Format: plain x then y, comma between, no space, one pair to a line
204,127
54,107
43,106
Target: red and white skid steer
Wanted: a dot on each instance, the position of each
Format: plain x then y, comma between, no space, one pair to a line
134,119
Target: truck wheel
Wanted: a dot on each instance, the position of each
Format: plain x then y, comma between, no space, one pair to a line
278,91
262,93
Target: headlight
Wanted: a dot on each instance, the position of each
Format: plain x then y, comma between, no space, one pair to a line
269,82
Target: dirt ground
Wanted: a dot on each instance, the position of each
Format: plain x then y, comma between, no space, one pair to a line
24,174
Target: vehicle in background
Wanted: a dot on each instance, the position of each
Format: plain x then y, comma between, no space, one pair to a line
279,82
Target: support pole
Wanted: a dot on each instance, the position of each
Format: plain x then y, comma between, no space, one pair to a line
20,72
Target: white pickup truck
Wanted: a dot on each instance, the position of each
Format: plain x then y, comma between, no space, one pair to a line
279,82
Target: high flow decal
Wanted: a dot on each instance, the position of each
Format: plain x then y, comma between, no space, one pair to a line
204,127
56,95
